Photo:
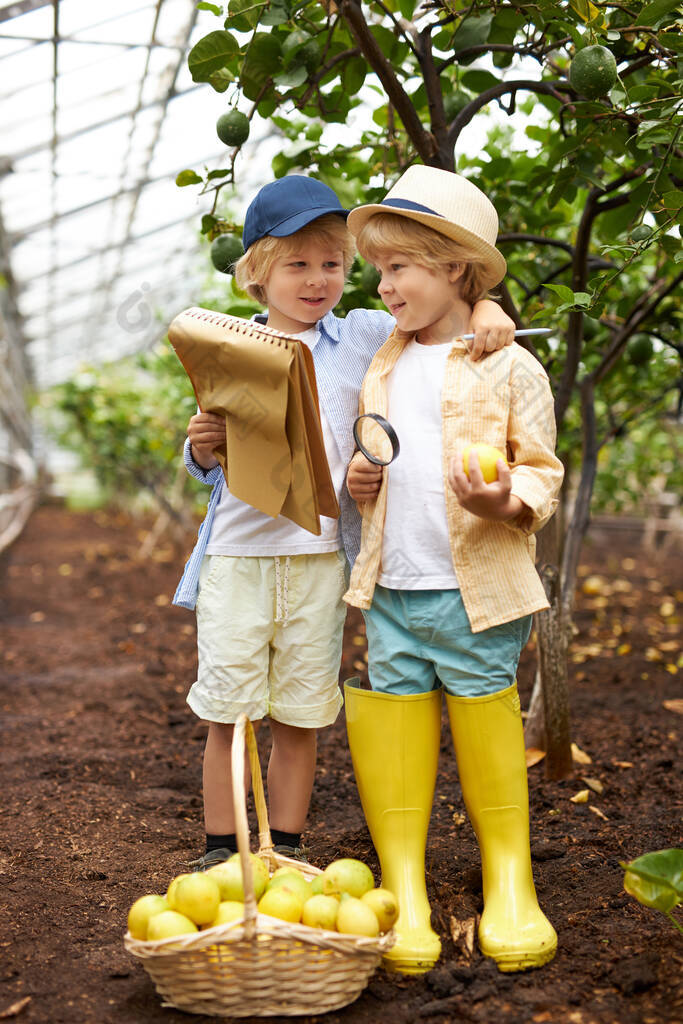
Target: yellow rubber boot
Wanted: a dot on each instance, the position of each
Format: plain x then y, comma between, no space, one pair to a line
394,742
489,747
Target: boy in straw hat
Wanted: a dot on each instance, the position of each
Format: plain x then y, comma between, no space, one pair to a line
446,570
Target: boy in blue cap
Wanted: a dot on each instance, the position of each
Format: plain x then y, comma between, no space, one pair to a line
268,594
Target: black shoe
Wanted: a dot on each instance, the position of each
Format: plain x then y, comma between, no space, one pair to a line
213,857
294,852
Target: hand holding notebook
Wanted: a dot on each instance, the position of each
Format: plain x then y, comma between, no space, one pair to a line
263,383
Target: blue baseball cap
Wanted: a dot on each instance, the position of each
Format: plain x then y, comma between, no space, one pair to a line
287,205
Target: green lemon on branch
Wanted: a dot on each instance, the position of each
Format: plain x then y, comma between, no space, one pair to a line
233,128
593,72
225,251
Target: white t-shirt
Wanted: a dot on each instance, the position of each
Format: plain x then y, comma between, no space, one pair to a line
239,529
416,553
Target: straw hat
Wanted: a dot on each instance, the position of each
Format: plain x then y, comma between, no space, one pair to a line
457,209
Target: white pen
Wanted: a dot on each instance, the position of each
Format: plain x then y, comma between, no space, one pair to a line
518,334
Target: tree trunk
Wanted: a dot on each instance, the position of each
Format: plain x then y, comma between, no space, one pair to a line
547,725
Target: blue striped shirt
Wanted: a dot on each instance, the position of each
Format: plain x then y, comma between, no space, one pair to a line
342,354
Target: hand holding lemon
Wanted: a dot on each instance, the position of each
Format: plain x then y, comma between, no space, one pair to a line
480,477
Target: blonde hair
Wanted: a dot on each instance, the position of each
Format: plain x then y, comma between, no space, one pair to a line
389,232
253,269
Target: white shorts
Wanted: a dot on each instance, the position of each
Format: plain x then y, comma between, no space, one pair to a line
269,638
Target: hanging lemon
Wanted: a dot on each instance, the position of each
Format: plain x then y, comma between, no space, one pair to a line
593,72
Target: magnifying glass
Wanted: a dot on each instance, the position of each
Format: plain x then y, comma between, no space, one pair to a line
376,438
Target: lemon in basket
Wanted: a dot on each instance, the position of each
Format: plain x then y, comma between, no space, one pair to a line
228,911
320,912
142,910
259,872
228,878
347,875
170,892
282,903
197,896
357,918
295,882
168,924
385,906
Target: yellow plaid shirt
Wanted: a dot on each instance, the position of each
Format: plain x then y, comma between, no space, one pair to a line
505,400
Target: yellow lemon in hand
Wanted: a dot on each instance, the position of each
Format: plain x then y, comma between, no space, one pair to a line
142,910
197,897
488,457
356,918
169,923
385,906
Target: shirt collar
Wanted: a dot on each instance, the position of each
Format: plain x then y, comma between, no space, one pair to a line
329,324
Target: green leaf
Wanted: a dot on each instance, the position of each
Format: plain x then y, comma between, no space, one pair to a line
203,6
208,222
655,13
243,15
473,31
479,81
218,173
211,54
656,879
353,75
561,290
261,62
275,15
188,178
292,78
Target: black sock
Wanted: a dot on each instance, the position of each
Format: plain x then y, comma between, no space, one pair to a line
285,838
228,842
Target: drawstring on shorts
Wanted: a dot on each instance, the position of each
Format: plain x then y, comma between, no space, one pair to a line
281,590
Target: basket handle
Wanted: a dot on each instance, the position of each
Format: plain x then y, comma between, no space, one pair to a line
243,734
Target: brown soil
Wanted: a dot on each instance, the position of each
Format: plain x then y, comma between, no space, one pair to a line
101,763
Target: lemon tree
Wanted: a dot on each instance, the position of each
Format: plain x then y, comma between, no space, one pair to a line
585,171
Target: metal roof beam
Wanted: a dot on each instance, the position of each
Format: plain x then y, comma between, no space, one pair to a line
21,7
68,136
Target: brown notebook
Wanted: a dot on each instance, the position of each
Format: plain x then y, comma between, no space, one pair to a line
263,383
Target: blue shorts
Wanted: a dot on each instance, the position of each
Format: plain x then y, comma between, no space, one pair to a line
419,640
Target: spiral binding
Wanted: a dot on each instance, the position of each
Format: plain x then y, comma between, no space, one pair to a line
246,327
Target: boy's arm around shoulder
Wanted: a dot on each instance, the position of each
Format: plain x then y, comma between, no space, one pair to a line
537,473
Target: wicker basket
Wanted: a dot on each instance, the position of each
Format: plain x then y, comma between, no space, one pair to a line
259,966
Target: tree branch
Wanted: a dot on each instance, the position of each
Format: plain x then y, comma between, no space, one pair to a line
553,89
423,141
